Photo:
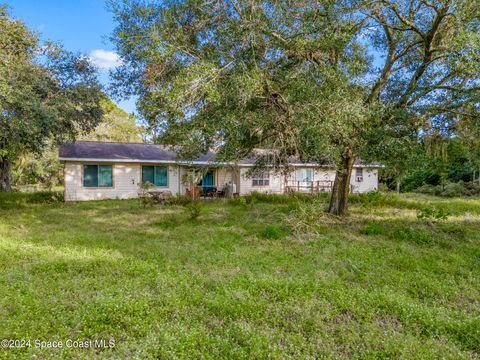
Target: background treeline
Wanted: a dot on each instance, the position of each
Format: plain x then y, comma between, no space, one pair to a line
45,170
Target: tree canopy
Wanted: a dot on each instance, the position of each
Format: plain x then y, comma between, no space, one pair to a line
46,94
115,125
310,78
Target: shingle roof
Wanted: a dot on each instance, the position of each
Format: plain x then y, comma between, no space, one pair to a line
137,152
97,150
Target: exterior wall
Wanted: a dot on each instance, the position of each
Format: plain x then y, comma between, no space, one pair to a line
319,174
223,176
369,183
126,178
276,184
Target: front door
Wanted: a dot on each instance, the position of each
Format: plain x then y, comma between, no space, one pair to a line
208,180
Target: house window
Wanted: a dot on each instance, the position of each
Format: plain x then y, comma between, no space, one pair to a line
97,176
304,175
261,178
359,172
157,175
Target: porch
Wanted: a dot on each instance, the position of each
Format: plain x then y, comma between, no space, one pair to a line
310,187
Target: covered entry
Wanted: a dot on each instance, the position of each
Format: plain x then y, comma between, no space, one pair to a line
207,184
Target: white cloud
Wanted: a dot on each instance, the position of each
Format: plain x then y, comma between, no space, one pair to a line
104,59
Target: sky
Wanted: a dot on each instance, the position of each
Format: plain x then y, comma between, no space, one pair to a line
80,25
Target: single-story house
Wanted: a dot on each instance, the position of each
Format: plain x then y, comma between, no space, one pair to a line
114,170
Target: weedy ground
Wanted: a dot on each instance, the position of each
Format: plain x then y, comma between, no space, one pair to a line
251,278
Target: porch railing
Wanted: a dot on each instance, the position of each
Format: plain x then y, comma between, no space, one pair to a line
313,187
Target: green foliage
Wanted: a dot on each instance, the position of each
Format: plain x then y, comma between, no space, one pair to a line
193,209
216,289
299,77
48,94
432,213
115,125
374,198
238,201
272,232
146,199
308,217
414,235
178,200
22,199
450,189
373,228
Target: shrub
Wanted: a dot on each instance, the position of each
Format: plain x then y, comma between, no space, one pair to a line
431,213
19,199
372,229
143,194
454,189
309,217
450,189
238,201
272,232
429,189
418,236
178,200
194,209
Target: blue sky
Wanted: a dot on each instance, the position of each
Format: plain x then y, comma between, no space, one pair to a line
80,25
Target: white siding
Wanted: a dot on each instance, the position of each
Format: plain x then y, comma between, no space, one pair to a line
223,176
246,187
369,182
126,178
319,174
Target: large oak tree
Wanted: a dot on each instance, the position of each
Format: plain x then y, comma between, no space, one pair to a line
316,78
46,94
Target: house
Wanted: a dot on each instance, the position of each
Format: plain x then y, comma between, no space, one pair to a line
113,170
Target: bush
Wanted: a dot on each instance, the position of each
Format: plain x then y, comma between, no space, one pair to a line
19,199
454,190
450,189
178,199
432,213
372,229
429,190
418,236
309,217
144,196
272,232
238,201
194,209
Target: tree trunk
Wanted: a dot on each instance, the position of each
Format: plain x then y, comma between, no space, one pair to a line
398,186
341,186
5,185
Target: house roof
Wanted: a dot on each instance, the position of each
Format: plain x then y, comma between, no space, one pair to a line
140,152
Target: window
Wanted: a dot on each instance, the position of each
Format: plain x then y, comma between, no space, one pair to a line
260,178
157,175
97,176
304,175
359,172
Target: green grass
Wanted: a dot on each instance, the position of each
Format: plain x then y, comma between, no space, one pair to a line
237,282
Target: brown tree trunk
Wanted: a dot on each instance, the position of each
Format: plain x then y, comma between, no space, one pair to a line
5,166
341,186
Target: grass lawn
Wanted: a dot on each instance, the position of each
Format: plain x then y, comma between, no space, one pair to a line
239,283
